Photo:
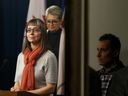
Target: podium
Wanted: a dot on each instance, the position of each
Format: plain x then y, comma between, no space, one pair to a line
20,93
7,93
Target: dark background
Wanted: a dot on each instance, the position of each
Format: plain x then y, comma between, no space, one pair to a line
13,15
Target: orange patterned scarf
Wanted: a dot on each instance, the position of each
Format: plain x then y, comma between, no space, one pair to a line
30,58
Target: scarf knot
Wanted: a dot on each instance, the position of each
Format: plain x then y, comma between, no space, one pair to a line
30,58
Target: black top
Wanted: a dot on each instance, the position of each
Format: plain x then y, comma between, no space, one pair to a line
54,41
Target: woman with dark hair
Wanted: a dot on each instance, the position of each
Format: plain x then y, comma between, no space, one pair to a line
36,70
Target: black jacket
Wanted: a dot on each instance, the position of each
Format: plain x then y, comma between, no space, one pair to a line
119,84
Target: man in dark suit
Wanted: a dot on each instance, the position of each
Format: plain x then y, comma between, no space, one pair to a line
108,56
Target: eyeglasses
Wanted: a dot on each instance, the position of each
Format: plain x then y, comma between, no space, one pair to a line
33,30
52,21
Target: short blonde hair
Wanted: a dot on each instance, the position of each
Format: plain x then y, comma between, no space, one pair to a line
54,10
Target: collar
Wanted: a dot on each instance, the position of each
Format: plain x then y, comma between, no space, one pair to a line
114,67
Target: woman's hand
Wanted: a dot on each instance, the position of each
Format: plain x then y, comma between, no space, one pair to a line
15,88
